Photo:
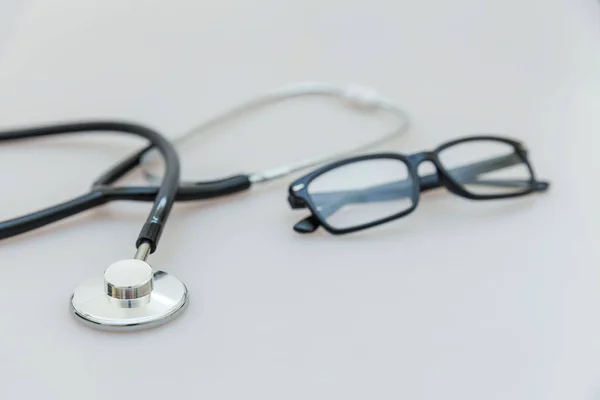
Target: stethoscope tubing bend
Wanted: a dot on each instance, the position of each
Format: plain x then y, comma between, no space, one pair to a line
163,196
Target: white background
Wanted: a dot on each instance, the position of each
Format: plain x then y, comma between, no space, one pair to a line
461,300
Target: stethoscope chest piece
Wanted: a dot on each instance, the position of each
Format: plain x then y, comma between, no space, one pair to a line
130,297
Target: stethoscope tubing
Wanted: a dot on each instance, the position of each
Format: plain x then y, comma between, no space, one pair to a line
188,191
170,188
163,196
358,98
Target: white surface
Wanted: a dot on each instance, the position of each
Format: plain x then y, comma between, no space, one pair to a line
459,301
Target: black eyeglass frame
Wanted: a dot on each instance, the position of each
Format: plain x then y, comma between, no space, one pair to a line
299,196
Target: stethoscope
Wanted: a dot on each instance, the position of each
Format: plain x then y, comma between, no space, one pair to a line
132,295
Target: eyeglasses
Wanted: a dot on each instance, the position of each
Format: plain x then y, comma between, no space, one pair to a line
361,192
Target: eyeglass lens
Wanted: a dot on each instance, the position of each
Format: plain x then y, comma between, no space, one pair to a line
362,192
486,167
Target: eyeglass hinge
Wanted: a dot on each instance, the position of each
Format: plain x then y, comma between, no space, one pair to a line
296,202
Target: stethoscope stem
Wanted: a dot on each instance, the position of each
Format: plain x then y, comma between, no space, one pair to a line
143,251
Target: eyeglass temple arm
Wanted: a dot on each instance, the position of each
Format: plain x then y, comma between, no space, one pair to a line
402,189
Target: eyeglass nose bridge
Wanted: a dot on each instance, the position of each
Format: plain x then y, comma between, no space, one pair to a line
428,181
417,159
